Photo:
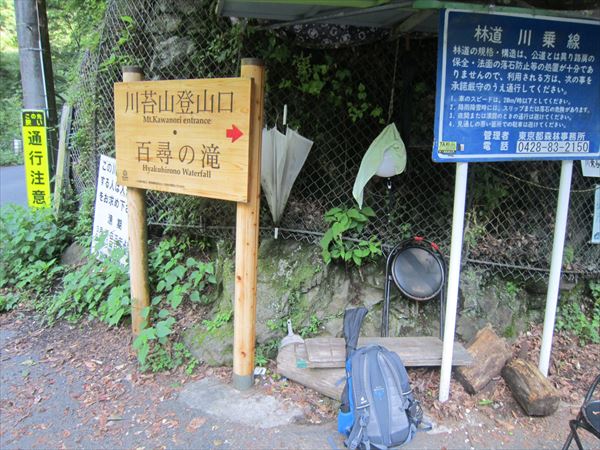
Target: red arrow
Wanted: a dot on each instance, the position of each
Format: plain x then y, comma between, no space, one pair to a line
234,133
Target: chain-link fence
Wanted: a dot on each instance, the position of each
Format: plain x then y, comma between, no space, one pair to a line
340,98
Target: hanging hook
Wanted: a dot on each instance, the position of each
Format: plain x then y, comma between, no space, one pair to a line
390,199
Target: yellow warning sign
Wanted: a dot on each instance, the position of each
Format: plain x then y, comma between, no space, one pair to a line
35,153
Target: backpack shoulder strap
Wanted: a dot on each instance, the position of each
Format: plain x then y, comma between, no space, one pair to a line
359,361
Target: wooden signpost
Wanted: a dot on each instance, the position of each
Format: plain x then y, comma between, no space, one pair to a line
203,138
185,136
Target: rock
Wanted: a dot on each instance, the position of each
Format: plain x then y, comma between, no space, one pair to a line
74,255
489,353
166,24
494,301
214,348
181,7
293,282
530,388
172,52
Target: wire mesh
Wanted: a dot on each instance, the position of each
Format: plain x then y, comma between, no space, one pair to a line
340,99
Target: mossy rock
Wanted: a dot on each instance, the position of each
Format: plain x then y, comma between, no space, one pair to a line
293,282
214,347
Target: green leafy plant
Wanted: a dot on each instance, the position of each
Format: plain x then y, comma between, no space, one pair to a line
343,223
8,301
177,279
325,78
83,209
98,288
266,351
512,288
32,243
218,321
595,290
582,319
117,56
475,230
312,328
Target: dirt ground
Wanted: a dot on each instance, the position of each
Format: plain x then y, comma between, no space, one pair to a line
79,387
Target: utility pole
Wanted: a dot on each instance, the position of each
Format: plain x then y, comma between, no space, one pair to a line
37,78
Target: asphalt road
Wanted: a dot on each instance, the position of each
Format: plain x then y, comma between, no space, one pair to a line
78,386
12,185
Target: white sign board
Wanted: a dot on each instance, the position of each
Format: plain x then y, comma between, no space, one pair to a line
110,212
596,225
591,168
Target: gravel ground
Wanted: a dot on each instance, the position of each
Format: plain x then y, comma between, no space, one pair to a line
78,387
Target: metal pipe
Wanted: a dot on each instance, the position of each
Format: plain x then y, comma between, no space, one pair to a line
560,228
458,225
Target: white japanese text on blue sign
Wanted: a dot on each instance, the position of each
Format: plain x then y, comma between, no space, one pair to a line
516,87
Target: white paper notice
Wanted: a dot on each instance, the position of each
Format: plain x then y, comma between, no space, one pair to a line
591,168
110,213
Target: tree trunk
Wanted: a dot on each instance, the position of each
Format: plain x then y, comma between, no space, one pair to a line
489,353
530,388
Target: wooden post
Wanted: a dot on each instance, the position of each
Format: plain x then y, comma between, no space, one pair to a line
246,240
138,239
62,166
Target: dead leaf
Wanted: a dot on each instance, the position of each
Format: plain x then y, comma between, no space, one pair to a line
195,423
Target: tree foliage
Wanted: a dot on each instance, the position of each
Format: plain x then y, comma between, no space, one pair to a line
73,27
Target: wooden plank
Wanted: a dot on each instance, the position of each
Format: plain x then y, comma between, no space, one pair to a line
62,166
292,362
329,382
327,352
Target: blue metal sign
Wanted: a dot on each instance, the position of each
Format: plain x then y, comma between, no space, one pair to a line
516,87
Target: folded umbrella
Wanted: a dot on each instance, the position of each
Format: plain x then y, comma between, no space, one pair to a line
283,156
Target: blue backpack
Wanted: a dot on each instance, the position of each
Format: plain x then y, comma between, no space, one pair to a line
378,408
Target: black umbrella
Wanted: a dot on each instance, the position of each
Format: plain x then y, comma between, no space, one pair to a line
353,319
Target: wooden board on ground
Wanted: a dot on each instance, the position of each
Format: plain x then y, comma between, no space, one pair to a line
293,361
329,382
426,351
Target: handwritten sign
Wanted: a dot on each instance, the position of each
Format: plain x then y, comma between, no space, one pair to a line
516,87
110,210
35,153
184,136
